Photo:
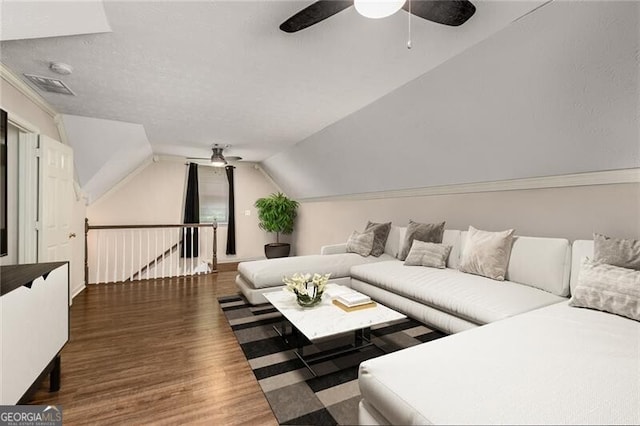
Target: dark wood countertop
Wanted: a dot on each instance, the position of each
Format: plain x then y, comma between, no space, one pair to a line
14,276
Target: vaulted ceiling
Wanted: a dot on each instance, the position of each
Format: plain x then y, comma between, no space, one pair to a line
523,89
198,73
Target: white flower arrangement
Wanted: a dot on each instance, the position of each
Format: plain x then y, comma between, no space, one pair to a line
308,289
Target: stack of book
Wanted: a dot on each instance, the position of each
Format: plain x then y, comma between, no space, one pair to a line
352,300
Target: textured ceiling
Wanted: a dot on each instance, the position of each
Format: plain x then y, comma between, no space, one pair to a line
198,73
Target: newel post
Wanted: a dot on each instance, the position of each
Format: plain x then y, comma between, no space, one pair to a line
86,251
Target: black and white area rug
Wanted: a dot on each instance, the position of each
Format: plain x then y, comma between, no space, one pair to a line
295,396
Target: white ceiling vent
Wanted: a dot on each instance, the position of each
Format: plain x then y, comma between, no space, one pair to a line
47,84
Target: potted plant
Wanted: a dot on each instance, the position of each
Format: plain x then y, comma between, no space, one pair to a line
277,213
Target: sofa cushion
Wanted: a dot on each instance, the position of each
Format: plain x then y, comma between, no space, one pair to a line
428,254
269,272
543,263
427,232
617,252
487,253
380,235
555,365
608,288
472,297
453,238
580,249
360,243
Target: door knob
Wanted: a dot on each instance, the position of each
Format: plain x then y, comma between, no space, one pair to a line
72,235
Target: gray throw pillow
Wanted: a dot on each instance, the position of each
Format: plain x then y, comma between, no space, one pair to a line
487,253
608,288
360,243
616,252
428,254
426,232
380,235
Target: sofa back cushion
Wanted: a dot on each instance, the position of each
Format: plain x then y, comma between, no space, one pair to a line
580,250
453,237
394,240
543,263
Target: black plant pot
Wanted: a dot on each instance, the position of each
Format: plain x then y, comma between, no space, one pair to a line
275,250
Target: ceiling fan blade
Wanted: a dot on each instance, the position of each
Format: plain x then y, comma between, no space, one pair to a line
445,12
313,14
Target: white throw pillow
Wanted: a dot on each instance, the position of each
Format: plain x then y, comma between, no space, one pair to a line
487,253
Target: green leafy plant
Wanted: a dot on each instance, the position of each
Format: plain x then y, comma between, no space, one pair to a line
277,214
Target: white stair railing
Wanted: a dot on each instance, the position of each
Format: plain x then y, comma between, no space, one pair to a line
122,253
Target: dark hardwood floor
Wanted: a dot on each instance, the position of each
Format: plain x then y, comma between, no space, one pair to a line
156,352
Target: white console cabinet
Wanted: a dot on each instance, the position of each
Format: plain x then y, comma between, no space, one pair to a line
34,321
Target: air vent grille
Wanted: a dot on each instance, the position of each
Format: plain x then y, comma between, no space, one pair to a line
52,85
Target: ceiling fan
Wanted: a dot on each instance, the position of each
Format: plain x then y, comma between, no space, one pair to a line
217,159
445,12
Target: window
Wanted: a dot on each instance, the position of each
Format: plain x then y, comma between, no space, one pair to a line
213,189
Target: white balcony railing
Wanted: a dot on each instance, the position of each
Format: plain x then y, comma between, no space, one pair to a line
123,253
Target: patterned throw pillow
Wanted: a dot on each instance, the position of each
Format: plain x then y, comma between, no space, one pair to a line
608,288
380,235
427,232
360,243
428,254
616,252
487,253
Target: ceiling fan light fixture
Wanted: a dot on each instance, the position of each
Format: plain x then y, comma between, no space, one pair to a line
376,9
217,159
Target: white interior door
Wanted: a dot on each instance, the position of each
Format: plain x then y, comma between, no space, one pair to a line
27,197
56,200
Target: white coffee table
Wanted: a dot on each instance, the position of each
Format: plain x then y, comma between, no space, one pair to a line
327,320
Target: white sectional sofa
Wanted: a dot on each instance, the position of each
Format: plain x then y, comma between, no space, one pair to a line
518,354
553,365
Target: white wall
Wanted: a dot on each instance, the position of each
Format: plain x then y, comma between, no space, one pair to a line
571,212
29,113
155,195
554,93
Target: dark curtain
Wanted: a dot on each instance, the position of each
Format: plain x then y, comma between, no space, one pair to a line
191,213
231,222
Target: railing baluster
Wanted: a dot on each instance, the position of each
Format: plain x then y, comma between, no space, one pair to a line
115,256
183,271
164,250
171,257
147,254
155,255
205,248
106,267
131,258
139,268
99,256
124,248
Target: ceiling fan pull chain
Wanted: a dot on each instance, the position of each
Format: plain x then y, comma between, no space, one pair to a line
409,36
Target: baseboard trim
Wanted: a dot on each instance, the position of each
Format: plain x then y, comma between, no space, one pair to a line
228,267
77,291
607,177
